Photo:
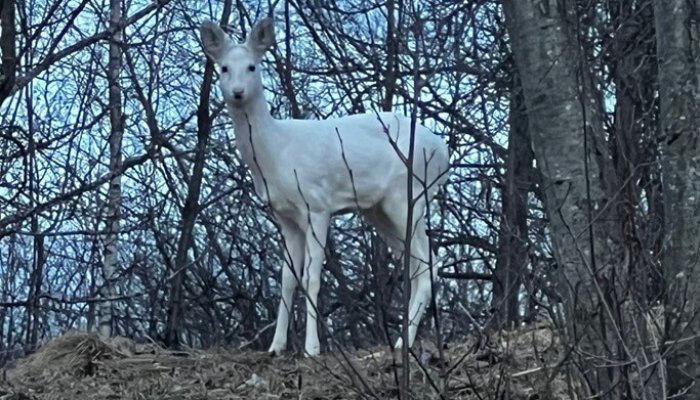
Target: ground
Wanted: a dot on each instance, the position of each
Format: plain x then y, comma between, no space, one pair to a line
515,365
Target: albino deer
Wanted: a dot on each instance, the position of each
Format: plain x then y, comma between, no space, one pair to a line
310,170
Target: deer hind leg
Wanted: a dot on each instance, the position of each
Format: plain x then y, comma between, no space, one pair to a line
293,238
396,209
421,280
389,232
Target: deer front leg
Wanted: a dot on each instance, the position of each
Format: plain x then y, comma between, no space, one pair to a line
293,238
314,257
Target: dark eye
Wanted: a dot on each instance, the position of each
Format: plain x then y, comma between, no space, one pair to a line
251,68
224,69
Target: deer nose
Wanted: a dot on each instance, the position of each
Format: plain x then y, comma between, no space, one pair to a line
238,94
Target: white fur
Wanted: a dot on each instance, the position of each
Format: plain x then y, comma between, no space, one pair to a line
310,170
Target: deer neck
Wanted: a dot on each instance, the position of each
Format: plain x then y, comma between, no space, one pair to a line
255,131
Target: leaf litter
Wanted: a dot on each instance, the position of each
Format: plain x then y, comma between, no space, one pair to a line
520,364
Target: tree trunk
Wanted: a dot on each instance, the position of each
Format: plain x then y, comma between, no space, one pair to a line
564,118
286,69
113,211
392,49
191,207
677,50
7,47
634,75
34,293
513,240
36,274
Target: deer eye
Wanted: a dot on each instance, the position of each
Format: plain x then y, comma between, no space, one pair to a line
224,69
251,68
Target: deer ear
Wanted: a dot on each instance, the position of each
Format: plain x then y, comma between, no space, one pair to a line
262,36
214,40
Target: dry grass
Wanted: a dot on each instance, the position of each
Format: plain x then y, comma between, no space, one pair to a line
85,366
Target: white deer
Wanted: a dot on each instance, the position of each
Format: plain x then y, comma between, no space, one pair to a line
310,170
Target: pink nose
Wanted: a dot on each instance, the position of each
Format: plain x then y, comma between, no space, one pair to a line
238,94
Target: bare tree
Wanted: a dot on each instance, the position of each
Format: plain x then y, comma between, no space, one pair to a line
110,263
580,188
192,207
513,241
677,29
7,47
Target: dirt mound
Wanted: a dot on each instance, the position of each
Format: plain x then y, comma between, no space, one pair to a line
86,366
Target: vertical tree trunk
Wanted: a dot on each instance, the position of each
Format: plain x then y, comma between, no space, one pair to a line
564,118
677,50
10,276
110,261
392,48
286,69
513,240
191,206
93,271
630,62
35,283
634,75
380,256
7,47
37,273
